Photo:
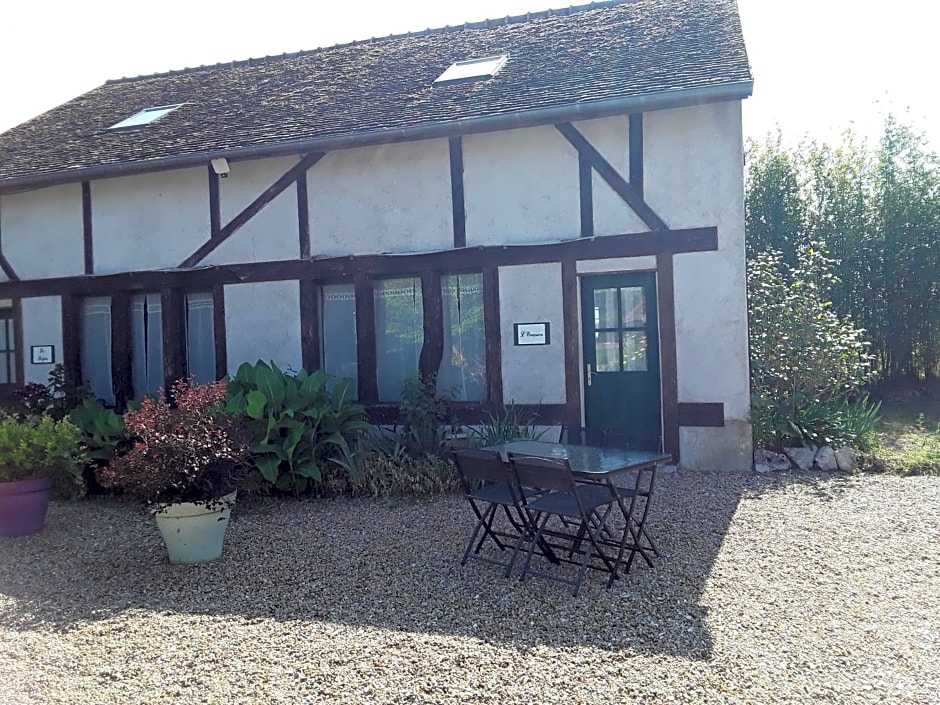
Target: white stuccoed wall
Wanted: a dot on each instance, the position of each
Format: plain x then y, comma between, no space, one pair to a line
393,198
43,232
694,177
42,325
532,374
262,321
273,233
151,221
520,186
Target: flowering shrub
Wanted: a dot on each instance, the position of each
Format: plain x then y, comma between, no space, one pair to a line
190,453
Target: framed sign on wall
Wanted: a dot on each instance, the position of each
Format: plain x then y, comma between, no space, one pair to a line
532,333
42,354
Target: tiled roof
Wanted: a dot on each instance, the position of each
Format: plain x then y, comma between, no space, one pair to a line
600,52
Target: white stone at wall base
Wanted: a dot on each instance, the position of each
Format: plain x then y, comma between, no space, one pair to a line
775,462
826,459
801,457
845,458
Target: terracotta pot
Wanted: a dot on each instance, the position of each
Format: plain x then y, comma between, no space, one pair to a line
23,505
194,533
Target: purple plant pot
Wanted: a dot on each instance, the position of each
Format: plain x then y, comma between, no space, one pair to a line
23,505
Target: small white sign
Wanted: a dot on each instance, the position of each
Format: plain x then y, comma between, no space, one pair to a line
42,354
532,334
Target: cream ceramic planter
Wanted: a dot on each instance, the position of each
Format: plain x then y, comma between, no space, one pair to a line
194,532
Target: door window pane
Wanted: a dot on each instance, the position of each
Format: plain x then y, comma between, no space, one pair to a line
605,308
463,367
607,351
338,321
200,336
399,333
146,344
634,351
633,302
96,347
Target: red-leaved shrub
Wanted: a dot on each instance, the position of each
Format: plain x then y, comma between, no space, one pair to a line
188,451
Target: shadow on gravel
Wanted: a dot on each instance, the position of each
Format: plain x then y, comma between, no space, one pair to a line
373,565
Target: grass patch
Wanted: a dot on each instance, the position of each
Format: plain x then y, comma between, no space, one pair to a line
908,438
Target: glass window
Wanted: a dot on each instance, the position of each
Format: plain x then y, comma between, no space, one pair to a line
200,336
96,347
463,367
145,116
338,324
472,70
399,333
146,344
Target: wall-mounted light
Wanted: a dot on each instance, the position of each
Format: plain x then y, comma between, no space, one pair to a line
220,166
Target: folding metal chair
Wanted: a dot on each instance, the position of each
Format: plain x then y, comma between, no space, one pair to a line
640,494
488,485
565,498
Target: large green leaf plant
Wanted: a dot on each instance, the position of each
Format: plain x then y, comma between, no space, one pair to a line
299,421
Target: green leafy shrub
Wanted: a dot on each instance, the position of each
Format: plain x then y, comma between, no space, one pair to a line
297,421
508,425
807,363
425,415
102,431
40,446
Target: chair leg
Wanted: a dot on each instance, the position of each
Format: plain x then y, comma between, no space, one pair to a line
483,521
540,523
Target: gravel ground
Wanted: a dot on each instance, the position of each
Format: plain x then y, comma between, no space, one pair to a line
796,588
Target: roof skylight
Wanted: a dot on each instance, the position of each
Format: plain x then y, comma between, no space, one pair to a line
145,116
472,70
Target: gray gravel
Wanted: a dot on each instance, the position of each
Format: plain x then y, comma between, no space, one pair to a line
796,588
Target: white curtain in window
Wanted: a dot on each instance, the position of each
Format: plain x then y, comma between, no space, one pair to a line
399,333
338,324
146,344
96,347
200,336
462,374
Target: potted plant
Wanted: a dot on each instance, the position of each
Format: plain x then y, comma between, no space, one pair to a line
185,463
35,453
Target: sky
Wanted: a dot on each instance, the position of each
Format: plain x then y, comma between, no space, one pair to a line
820,66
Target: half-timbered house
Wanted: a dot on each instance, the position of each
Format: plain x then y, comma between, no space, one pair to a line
545,210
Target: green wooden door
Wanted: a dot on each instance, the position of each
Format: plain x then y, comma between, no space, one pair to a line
621,357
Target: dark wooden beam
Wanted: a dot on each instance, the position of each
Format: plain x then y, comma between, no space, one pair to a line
586,191
474,413
607,172
492,333
310,325
432,351
303,216
365,339
571,335
468,258
72,338
4,264
218,324
121,336
456,191
20,370
174,337
87,236
636,152
215,206
252,209
708,415
665,289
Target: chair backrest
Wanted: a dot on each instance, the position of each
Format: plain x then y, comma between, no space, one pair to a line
542,473
475,466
